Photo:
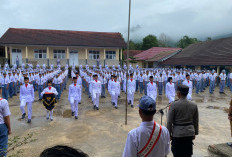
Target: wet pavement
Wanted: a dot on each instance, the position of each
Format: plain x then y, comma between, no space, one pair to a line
103,133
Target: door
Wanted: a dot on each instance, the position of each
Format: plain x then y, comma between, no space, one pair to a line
73,58
16,57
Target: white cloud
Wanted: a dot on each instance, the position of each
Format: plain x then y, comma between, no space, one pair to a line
174,17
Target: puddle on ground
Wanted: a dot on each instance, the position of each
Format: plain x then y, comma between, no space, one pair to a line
225,109
67,113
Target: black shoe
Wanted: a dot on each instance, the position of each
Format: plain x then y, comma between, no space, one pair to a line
51,119
29,121
97,108
116,107
132,106
94,107
76,117
47,118
79,102
72,113
119,96
113,104
24,115
89,96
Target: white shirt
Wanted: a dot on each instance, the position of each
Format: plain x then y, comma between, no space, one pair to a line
95,87
152,90
222,77
115,87
27,93
40,81
190,85
74,92
170,89
138,137
4,110
4,81
47,90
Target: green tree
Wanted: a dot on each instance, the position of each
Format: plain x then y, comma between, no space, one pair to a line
186,41
135,46
149,42
208,39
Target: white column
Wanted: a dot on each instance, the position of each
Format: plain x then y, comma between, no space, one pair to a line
121,55
86,53
104,53
6,53
48,53
26,52
86,56
67,56
218,70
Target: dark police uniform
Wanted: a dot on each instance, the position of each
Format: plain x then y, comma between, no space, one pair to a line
183,126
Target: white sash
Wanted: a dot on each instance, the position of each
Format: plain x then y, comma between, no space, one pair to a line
155,135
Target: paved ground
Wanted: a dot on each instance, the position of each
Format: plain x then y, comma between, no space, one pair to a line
103,133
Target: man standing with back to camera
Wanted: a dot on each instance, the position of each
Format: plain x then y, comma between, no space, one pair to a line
183,123
150,139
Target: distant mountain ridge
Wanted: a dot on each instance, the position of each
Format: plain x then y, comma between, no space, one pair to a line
222,36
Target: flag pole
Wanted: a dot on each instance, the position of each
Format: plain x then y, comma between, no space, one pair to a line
127,62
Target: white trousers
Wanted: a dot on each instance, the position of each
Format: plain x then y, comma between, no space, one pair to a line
171,98
96,99
189,97
130,97
115,98
81,93
74,105
29,107
50,113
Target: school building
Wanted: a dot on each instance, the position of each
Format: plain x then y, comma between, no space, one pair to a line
154,56
67,47
214,54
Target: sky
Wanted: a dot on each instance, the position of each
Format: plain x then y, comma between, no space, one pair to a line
175,18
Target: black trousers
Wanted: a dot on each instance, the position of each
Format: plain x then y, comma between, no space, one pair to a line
182,146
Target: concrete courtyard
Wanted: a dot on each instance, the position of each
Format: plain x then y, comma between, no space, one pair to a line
103,133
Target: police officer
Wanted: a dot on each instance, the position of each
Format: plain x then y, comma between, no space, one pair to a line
183,123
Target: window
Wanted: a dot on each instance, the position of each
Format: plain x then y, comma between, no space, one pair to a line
59,54
94,54
16,50
110,55
40,54
74,51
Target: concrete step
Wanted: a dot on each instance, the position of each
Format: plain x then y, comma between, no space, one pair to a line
220,150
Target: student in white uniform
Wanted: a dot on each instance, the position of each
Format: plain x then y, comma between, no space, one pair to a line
49,89
170,90
152,89
149,139
79,82
109,87
189,83
26,98
5,127
131,91
74,97
115,91
95,91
